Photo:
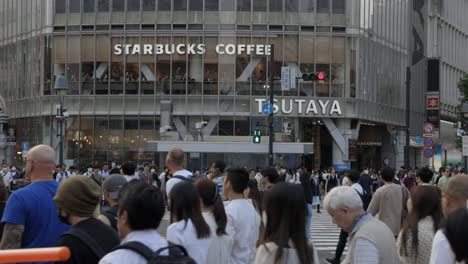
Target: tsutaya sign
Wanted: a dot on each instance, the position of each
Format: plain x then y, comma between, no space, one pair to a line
190,49
302,106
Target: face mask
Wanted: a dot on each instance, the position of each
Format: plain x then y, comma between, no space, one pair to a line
153,170
13,169
90,170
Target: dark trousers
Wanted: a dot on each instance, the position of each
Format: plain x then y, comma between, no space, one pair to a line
341,245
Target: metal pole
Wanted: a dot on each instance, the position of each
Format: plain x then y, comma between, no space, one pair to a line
270,117
61,135
408,94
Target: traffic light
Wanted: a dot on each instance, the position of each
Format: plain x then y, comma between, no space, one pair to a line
314,76
395,138
257,138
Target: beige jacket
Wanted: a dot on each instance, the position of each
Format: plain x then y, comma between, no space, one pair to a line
387,205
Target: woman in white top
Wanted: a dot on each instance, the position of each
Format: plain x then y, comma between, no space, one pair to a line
188,227
456,232
425,214
284,240
454,197
215,216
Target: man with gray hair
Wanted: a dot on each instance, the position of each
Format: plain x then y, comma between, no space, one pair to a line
370,240
175,162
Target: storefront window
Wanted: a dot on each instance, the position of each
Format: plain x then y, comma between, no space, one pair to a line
226,126
260,70
102,73
242,126
244,67
163,68
87,64
73,63
337,76
117,72
179,69
210,80
103,5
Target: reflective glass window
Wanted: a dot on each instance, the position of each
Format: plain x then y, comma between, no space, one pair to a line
338,6
60,6
103,5
133,5
88,6
149,5
260,5
180,5
323,5
243,5
74,6
118,5
196,5
211,5
306,6
227,5
276,5
291,5
164,5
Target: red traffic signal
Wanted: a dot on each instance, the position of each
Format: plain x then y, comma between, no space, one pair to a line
314,76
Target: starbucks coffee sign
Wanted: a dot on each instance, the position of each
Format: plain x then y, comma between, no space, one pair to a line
302,107
190,49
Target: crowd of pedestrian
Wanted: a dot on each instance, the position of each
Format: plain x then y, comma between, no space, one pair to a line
228,214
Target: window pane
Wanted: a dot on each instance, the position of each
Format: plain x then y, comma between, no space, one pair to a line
196,5
103,5
243,5
291,5
118,5
180,5
338,6
260,5
60,6
276,5
149,5
164,5
133,5
74,6
227,5
306,6
211,5
322,5
88,6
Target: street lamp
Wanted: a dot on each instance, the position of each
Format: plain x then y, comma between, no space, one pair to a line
61,88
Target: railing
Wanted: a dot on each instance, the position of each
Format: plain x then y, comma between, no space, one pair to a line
53,254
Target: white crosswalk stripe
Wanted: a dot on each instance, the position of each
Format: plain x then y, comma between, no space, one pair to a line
324,233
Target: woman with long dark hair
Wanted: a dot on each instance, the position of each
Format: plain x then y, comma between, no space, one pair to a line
188,227
456,232
213,212
253,194
284,239
424,218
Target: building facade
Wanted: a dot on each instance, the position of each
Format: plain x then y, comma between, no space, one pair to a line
146,75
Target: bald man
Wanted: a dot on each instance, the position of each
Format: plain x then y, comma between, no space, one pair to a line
30,217
175,162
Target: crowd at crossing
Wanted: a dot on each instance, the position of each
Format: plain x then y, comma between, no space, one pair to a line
230,214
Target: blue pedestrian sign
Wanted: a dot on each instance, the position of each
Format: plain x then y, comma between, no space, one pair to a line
419,140
267,109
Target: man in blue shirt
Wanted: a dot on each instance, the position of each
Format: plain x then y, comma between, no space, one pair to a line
30,215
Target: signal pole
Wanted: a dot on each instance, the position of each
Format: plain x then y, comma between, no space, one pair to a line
270,117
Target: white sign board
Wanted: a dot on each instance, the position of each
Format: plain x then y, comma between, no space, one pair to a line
285,78
465,145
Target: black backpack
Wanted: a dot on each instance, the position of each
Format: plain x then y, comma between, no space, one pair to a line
177,254
366,198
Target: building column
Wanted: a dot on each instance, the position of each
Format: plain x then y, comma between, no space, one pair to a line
341,132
